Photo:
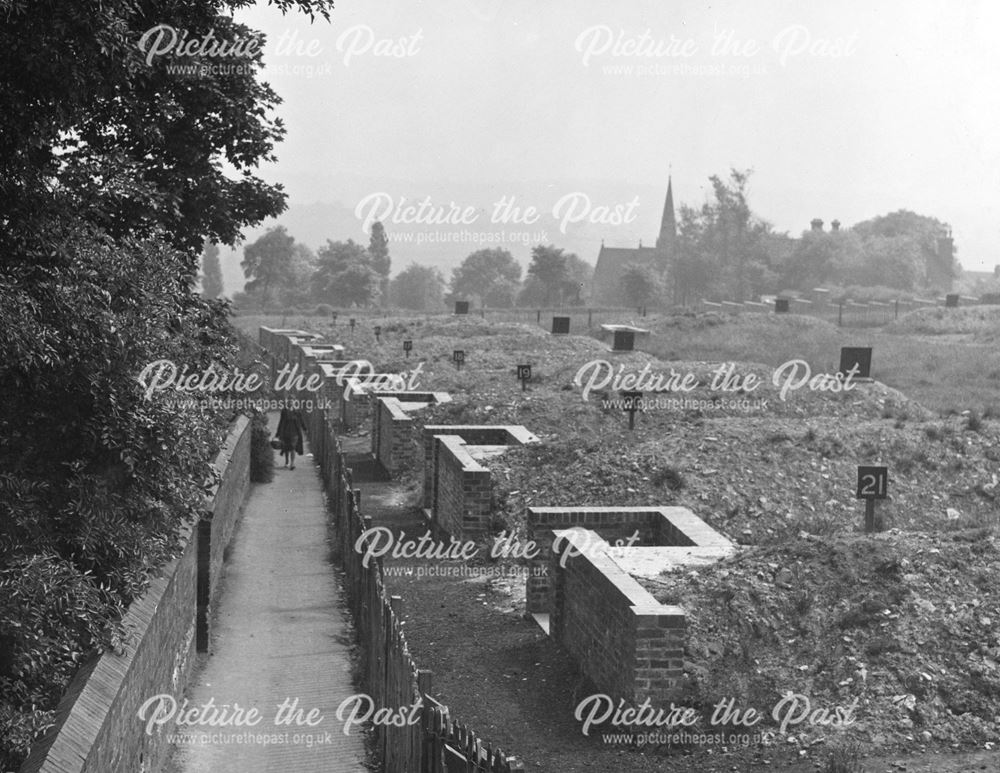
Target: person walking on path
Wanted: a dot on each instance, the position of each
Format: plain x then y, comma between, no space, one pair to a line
289,434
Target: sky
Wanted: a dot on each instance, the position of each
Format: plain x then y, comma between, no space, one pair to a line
583,109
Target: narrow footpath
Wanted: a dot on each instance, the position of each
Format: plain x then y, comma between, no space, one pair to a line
280,638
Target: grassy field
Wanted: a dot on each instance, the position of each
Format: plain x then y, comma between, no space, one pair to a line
947,361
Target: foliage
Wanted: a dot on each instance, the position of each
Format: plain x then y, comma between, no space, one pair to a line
418,287
555,276
723,247
114,171
344,275
378,256
640,285
268,263
491,275
261,453
211,277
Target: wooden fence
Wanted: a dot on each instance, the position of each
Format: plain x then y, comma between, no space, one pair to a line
436,743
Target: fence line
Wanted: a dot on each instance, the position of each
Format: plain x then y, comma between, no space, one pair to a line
437,744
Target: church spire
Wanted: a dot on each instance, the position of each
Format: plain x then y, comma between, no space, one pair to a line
668,225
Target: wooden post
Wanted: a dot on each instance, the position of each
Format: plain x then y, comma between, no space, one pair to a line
870,514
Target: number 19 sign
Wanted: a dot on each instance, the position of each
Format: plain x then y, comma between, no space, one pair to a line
873,483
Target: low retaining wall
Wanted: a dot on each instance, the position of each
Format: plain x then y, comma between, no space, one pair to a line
457,487
693,541
626,642
97,728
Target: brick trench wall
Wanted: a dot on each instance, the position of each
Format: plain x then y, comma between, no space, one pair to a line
98,728
395,438
472,434
611,526
630,646
463,507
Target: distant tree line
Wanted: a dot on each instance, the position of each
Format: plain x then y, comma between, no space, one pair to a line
724,251
282,273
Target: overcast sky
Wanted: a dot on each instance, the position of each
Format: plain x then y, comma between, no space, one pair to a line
844,110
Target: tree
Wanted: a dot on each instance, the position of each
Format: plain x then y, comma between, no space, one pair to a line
907,242
640,284
378,257
211,277
132,143
723,248
418,287
267,263
115,166
484,272
344,275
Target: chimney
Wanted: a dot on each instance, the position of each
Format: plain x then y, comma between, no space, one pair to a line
816,223
835,225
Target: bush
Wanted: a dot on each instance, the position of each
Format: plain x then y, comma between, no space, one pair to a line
323,310
261,453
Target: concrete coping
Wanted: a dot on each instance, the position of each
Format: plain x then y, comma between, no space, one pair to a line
461,451
400,407
652,562
518,433
481,453
611,328
332,368
587,544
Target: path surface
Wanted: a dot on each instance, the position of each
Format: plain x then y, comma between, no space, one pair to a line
279,635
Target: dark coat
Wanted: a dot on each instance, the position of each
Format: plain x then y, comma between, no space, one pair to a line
290,431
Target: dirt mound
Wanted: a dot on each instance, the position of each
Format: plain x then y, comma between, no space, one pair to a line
906,624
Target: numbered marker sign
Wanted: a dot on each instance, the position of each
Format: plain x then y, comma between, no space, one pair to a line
407,345
560,325
461,307
353,322
951,300
873,482
781,305
631,401
524,372
378,330
856,355
458,356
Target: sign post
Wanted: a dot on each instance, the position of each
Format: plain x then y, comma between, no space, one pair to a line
333,316
524,376
631,405
873,483
378,334
407,347
353,323
458,357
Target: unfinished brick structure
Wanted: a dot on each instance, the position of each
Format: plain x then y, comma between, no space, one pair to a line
626,642
679,536
457,487
395,433
582,589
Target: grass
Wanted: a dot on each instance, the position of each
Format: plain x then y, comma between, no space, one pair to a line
946,377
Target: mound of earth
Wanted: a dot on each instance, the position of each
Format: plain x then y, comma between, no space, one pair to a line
906,625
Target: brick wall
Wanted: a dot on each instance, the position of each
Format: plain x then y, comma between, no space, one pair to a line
98,729
627,643
654,526
472,434
463,490
395,436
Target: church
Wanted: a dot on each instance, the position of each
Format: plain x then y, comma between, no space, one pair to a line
612,261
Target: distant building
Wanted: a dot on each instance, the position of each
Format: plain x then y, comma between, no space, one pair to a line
612,261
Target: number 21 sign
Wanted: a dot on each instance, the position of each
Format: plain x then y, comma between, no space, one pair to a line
873,482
